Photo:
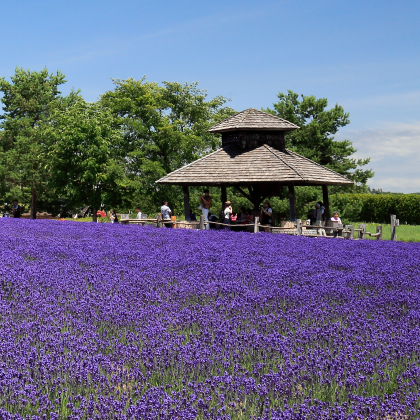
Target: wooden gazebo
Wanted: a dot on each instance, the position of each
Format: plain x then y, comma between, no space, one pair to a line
253,155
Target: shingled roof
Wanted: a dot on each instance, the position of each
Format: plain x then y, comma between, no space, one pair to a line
253,119
230,166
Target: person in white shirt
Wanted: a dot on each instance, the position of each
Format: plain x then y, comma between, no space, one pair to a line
166,213
227,212
335,218
138,213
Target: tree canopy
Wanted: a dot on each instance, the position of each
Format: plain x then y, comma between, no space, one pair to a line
84,155
28,101
315,138
164,127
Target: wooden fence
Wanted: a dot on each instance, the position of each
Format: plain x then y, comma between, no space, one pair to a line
294,228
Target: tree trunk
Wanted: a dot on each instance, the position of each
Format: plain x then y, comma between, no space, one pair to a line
34,203
94,215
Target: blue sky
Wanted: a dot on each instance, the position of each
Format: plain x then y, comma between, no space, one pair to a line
363,55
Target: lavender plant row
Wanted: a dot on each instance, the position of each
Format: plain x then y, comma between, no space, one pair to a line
101,321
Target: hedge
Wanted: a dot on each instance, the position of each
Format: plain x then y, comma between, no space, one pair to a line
378,208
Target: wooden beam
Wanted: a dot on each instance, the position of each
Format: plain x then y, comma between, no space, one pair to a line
223,195
187,211
292,203
244,193
326,201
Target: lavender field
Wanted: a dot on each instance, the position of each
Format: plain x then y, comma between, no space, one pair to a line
102,321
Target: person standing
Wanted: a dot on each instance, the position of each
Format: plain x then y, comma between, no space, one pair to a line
227,212
318,219
318,215
321,204
16,210
205,202
266,213
113,216
138,213
166,213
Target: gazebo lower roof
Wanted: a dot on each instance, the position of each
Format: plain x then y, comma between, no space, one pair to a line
263,165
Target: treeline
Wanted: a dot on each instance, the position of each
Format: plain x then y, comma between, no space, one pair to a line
378,208
60,152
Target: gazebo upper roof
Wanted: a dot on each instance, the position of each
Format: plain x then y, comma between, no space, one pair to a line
253,119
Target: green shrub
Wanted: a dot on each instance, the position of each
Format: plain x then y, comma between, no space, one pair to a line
378,208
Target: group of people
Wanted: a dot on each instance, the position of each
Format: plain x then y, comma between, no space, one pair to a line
16,210
227,215
245,216
318,215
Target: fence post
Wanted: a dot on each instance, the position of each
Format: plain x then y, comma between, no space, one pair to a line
159,220
379,230
394,223
256,228
363,231
350,235
298,227
202,227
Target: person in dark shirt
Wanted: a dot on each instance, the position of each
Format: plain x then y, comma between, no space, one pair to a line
16,209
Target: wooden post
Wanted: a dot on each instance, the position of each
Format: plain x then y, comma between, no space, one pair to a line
292,203
223,195
363,231
187,209
350,235
394,223
326,202
379,230
298,227
256,227
159,220
202,226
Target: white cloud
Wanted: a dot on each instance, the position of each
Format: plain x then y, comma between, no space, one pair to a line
393,100
394,150
389,140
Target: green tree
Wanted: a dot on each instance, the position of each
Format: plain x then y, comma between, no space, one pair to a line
165,127
84,158
315,138
28,101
